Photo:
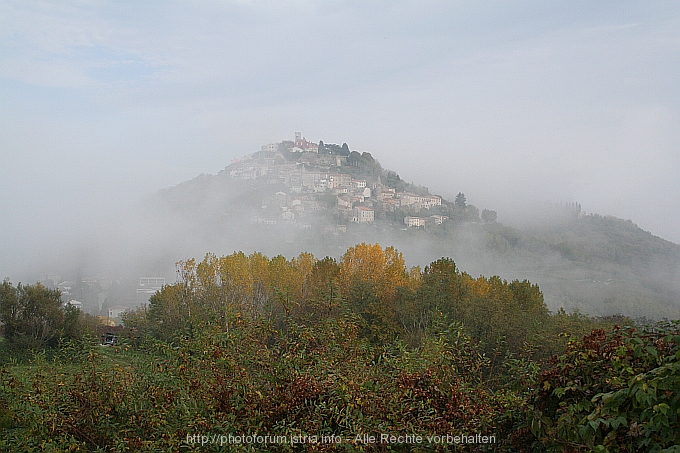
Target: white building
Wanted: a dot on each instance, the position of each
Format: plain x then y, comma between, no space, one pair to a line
75,304
407,198
362,214
384,194
288,216
115,314
271,147
438,219
415,222
419,201
432,200
149,285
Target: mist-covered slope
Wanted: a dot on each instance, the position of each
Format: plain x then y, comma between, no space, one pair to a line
597,264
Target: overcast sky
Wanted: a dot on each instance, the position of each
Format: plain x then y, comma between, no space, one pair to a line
508,102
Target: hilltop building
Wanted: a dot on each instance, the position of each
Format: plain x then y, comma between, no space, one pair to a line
302,143
270,148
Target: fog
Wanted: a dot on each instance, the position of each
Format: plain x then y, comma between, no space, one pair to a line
103,104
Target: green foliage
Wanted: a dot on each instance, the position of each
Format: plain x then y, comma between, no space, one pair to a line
332,148
251,344
361,165
34,316
460,200
489,216
504,316
617,391
314,379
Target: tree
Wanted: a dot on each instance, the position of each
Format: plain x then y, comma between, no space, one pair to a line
460,200
169,312
471,213
324,292
345,150
322,148
489,216
353,159
367,159
33,314
384,269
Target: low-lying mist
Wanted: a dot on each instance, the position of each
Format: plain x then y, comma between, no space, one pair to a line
598,265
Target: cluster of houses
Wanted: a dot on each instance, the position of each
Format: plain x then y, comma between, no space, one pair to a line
311,177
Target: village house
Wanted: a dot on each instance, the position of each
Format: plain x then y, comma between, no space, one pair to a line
419,201
339,180
362,214
288,216
408,198
358,184
280,199
270,148
384,194
391,204
438,219
415,222
251,171
432,200
345,201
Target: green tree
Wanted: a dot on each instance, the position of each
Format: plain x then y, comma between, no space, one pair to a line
322,148
460,200
489,216
345,150
354,159
33,314
471,213
324,292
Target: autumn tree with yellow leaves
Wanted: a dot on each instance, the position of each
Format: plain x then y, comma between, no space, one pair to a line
384,270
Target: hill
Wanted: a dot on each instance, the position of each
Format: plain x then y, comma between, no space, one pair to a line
287,200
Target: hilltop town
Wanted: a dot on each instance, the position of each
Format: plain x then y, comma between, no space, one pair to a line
352,186
298,196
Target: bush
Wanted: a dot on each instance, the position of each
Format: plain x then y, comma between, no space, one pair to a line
617,391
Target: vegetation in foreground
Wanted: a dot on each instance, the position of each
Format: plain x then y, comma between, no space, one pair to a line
306,348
